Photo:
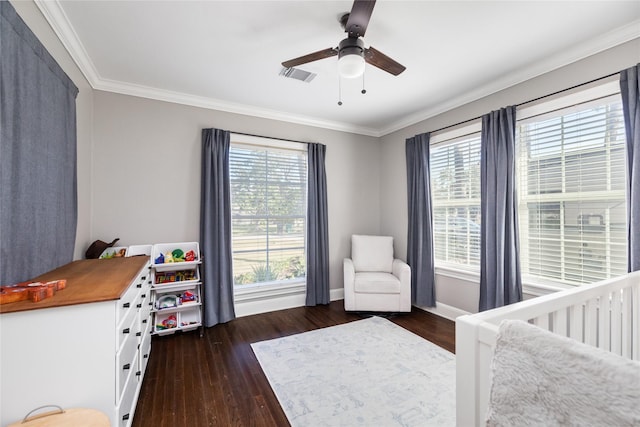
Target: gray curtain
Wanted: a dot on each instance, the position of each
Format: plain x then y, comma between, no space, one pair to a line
420,228
317,228
215,228
630,90
500,281
38,199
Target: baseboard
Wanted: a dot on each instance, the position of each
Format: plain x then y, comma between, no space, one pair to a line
248,307
336,294
293,299
446,311
251,306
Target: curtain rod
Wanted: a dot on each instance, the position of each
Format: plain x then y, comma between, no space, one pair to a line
270,137
532,100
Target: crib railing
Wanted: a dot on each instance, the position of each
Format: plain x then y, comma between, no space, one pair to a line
604,314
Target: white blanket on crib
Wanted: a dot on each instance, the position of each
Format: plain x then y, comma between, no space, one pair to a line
543,379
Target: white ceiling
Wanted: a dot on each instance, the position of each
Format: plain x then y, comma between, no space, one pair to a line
226,54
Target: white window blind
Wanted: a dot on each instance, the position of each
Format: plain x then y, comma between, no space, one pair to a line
572,209
455,194
268,214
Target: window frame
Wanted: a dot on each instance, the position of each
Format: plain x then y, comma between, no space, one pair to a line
574,100
442,139
251,291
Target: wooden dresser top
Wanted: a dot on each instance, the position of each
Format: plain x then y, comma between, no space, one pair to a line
89,280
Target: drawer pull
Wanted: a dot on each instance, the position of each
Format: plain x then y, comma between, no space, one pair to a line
144,321
143,278
139,305
126,330
126,305
144,296
127,366
150,303
146,356
138,373
138,334
125,417
139,285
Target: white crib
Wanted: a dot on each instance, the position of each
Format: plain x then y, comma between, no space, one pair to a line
604,314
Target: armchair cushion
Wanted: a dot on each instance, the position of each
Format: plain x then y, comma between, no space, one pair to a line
372,253
376,283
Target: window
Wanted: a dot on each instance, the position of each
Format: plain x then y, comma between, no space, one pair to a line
268,211
572,209
455,193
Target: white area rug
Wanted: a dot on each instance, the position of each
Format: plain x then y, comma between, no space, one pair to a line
369,372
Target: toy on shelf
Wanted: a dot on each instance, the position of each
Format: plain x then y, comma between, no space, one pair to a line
188,297
188,323
168,301
167,277
115,253
176,255
169,323
175,276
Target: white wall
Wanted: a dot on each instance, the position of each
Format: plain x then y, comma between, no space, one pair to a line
139,171
454,290
146,172
31,15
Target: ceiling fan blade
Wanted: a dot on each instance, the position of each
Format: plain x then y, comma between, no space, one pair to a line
321,54
359,17
382,61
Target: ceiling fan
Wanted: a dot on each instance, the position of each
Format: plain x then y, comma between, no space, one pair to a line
351,52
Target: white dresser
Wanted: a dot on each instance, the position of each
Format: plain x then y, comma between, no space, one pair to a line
86,347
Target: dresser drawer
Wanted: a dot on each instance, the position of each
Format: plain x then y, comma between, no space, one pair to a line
127,302
145,350
127,403
125,362
145,325
145,303
128,327
143,278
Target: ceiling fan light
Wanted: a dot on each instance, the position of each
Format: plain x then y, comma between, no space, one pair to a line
351,66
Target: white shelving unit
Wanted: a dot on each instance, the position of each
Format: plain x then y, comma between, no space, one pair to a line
175,288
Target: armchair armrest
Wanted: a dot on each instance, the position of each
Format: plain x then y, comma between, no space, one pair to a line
349,278
349,272
401,270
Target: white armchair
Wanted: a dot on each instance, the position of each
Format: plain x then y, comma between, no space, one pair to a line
373,279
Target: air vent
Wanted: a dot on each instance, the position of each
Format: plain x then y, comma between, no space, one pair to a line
298,74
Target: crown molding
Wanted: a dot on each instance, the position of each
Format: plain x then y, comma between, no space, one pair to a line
229,107
580,51
59,22
57,18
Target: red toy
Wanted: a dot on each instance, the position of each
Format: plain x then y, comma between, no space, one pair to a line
188,296
170,322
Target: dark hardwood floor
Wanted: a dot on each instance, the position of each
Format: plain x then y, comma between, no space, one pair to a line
217,381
